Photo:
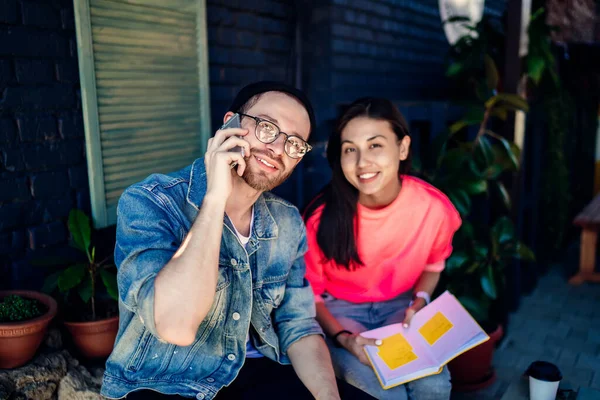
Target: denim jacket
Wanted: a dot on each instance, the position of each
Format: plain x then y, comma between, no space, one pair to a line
261,289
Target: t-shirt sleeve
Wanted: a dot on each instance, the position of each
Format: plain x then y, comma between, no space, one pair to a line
314,259
449,223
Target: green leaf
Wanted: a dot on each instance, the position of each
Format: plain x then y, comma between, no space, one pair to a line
79,226
456,260
512,156
511,101
504,195
491,72
110,282
461,200
488,283
535,68
493,171
503,230
474,307
93,254
473,266
484,148
454,69
481,251
51,282
499,113
524,252
475,187
85,289
71,277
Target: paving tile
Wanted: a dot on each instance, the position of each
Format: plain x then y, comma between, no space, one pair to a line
578,376
588,361
596,380
567,359
588,394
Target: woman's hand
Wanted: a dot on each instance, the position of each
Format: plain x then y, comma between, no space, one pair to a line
355,343
417,305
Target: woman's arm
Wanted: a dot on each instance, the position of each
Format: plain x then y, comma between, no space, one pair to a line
427,283
353,342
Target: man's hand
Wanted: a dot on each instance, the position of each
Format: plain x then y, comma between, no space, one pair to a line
355,344
417,305
219,158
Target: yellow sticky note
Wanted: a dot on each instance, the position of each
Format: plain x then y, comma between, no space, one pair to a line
396,351
435,328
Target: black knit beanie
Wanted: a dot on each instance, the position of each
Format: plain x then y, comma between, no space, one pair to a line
253,89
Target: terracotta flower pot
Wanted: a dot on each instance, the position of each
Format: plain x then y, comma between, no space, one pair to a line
473,370
94,339
20,340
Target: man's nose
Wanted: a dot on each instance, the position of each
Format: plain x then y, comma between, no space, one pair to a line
277,146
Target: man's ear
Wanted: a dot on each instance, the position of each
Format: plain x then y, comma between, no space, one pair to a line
404,147
227,116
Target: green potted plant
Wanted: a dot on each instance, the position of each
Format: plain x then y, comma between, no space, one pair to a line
24,319
469,164
89,292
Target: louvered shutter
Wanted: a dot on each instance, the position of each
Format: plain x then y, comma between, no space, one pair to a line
144,81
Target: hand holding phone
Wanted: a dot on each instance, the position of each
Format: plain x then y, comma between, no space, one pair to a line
234,122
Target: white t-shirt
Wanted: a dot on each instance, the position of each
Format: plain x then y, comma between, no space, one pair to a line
251,352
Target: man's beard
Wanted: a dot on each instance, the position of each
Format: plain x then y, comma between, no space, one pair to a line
259,180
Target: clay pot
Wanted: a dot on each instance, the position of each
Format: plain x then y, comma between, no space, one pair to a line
94,339
20,340
473,369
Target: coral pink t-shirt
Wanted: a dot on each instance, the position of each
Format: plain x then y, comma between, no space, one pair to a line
395,243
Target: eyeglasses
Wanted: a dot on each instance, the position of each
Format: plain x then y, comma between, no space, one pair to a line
268,132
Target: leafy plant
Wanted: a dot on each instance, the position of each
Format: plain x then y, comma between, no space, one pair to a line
14,308
468,163
83,277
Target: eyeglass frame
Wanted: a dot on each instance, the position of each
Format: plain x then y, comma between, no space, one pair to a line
258,120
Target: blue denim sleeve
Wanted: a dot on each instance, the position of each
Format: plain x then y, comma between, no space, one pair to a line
295,316
145,244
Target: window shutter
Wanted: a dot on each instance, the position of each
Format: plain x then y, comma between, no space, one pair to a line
144,85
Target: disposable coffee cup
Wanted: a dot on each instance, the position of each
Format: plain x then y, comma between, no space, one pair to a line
544,378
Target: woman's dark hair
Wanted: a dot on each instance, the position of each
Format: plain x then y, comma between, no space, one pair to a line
336,235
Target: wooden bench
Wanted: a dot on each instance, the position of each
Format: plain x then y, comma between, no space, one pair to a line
589,220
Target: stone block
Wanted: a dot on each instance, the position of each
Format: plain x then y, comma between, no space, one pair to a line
46,185
40,14
67,71
46,235
14,190
37,128
8,130
34,71
12,159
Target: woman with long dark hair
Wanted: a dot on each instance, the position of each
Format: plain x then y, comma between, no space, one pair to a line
378,239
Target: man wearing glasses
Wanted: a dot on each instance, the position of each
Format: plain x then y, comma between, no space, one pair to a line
212,295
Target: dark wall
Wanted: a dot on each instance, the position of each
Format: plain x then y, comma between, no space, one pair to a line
348,48
42,166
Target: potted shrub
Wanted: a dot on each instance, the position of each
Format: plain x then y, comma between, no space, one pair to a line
469,164
24,319
89,292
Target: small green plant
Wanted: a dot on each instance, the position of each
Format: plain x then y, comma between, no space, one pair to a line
14,308
83,277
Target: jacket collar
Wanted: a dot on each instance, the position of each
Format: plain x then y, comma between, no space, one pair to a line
264,223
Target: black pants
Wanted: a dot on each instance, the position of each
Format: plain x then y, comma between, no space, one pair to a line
261,378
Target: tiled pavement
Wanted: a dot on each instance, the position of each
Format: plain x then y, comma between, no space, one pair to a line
557,322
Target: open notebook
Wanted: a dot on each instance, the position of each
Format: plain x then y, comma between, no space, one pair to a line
438,333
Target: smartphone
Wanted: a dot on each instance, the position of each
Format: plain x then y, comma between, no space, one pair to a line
234,122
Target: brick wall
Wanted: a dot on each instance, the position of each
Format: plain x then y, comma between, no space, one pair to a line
386,48
42,165
350,48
